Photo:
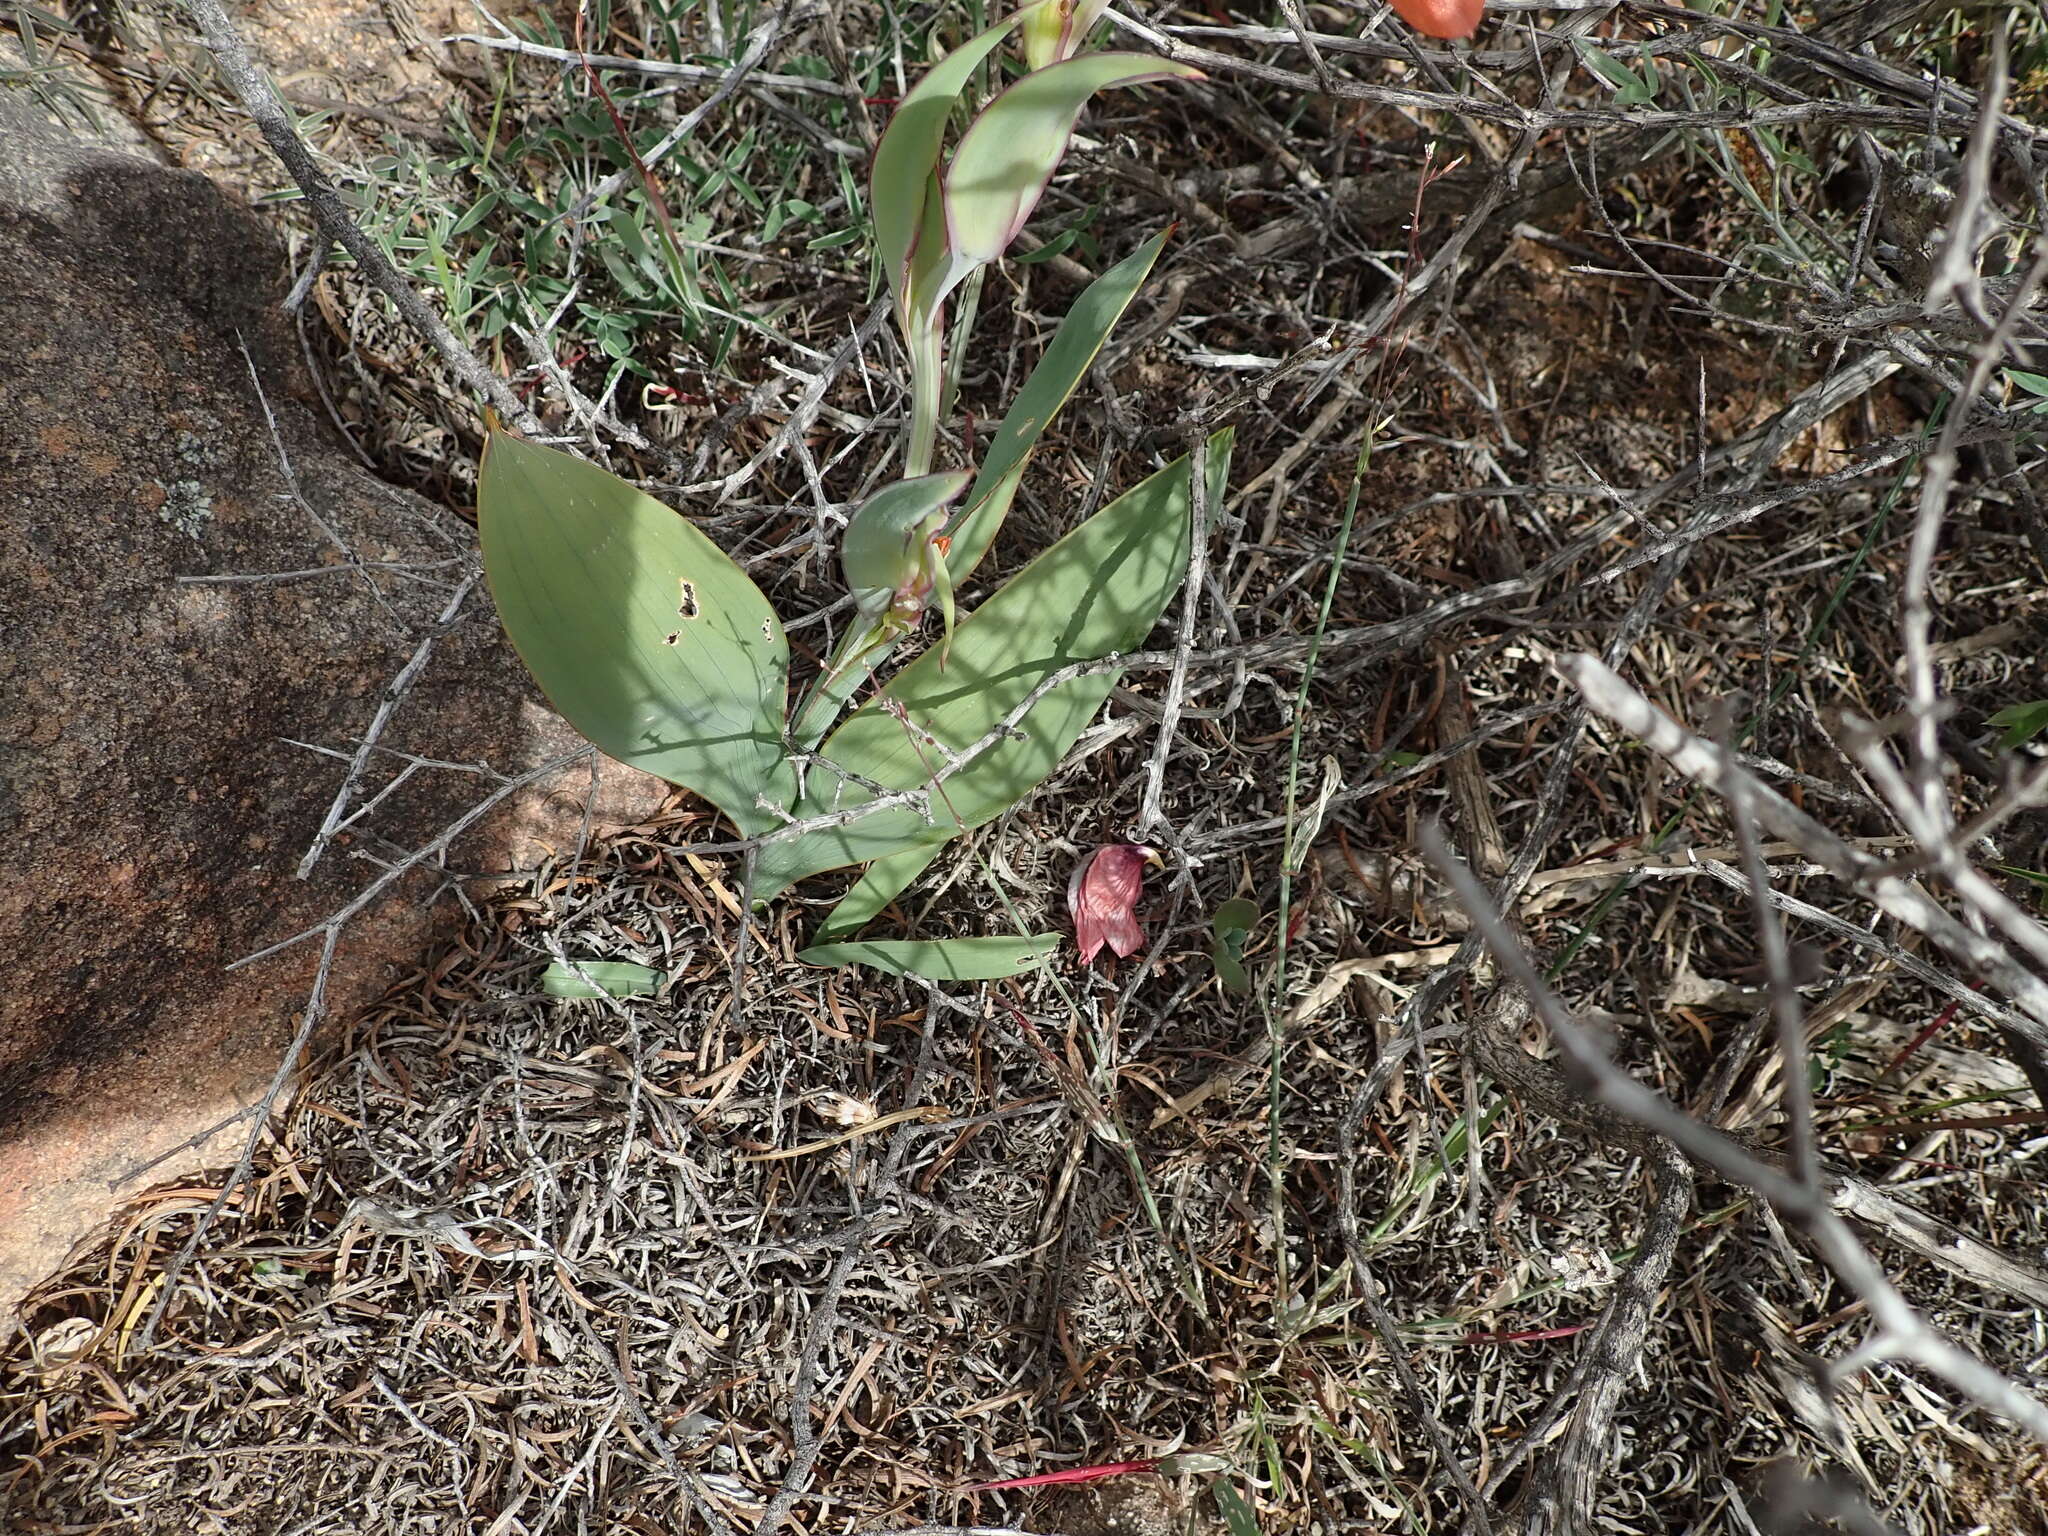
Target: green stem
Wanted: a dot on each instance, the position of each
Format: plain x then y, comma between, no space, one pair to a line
963,322
861,649
1276,1005
925,337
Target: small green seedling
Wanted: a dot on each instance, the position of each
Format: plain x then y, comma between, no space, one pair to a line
1229,931
662,651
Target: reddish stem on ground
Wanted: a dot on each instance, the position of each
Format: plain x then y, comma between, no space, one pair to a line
1071,1475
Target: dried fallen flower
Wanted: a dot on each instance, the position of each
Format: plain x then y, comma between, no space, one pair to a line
1103,895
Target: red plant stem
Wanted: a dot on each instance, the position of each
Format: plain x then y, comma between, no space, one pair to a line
653,188
1071,1475
1940,1021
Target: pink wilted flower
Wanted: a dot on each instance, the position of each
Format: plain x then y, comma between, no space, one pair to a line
1103,895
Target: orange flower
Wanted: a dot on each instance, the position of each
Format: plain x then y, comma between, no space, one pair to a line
1441,18
1103,895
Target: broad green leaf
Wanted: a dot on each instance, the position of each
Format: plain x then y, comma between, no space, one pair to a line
1237,915
1009,153
2032,383
909,152
2021,723
639,629
885,880
938,959
600,978
1097,591
1074,347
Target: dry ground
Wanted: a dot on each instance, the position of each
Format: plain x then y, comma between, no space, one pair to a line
515,1264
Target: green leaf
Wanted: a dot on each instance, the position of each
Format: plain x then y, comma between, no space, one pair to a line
2032,383
1229,929
1237,915
885,880
1238,1516
909,152
938,959
600,978
639,629
1067,358
1058,245
2021,722
2032,876
1230,969
1097,591
1612,70
1009,153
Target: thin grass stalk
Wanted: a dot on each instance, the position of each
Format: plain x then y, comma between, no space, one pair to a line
1276,1004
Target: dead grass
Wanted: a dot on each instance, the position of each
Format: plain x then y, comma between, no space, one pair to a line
512,1264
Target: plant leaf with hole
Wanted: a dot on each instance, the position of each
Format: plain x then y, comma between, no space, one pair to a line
1009,153
1067,357
600,978
639,629
1097,591
908,154
938,959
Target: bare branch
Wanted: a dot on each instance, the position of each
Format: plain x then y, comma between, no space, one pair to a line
1902,1332
250,84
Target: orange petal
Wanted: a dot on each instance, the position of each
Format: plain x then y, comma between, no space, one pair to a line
1442,18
